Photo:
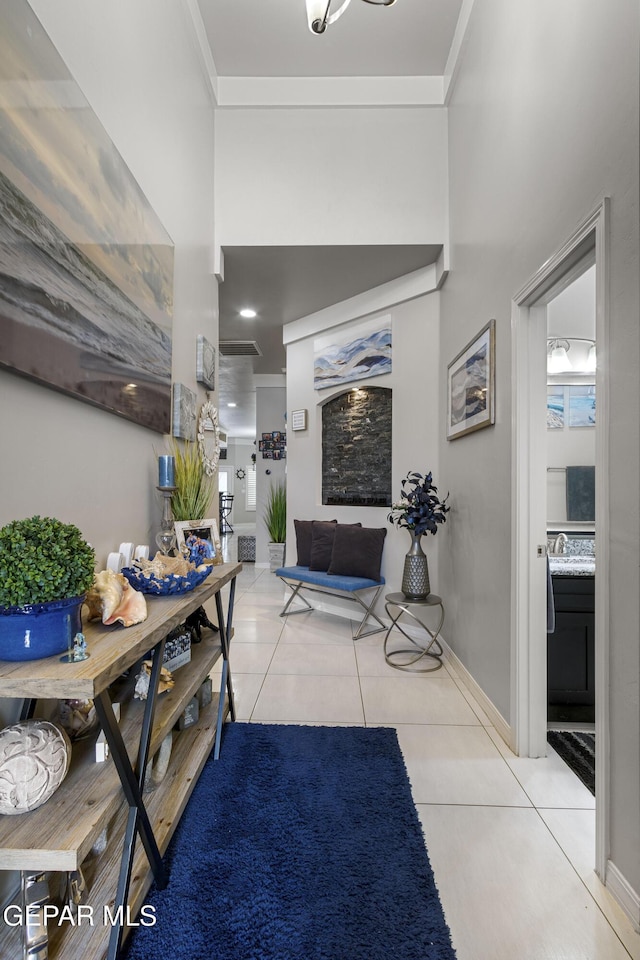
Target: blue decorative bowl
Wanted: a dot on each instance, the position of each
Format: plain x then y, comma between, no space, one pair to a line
165,586
40,629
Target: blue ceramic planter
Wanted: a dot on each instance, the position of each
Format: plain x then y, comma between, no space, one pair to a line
39,630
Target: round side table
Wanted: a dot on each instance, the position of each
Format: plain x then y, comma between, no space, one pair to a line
417,651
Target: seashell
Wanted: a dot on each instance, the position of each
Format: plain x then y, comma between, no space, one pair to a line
34,759
162,567
132,608
165,682
113,599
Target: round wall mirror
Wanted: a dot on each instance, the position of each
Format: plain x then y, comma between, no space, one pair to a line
209,437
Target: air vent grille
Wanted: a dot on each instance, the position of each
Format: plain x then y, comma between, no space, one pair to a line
240,348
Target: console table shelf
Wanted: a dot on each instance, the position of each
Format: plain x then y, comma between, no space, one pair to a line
59,835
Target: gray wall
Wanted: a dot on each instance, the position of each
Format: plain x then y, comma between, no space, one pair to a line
59,456
543,123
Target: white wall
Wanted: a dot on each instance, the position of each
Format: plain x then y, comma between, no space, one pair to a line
414,382
356,176
137,68
566,446
239,457
543,123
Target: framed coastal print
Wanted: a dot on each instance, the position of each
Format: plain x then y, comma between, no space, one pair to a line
205,363
555,407
582,406
184,412
471,385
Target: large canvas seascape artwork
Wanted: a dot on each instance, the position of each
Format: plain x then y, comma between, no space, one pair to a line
357,353
86,267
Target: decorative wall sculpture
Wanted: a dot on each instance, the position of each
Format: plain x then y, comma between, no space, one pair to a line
86,268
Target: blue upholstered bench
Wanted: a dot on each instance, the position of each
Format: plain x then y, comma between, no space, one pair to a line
318,581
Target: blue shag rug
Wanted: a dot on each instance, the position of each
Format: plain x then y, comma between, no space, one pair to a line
299,843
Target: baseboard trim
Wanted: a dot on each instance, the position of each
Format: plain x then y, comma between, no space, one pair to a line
496,718
622,891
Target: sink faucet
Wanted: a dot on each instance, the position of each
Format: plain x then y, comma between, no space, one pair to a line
557,544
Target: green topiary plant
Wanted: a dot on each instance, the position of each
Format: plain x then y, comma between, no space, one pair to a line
275,516
43,559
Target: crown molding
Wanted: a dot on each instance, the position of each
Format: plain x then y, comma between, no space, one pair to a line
330,91
455,53
194,17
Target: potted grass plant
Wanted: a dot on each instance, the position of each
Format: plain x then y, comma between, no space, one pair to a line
192,499
46,568
275,519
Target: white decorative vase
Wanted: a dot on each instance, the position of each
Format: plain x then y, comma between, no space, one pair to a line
276,555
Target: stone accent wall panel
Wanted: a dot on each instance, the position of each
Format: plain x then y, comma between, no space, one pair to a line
356,448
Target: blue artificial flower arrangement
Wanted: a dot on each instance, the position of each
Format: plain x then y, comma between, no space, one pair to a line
420,509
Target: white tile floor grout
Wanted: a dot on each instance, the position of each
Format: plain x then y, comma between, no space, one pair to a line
511,840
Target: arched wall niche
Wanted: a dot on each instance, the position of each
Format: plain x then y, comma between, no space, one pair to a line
356,448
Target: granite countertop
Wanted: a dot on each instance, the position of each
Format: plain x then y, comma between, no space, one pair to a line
576,566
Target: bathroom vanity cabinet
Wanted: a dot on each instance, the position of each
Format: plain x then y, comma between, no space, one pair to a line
570,650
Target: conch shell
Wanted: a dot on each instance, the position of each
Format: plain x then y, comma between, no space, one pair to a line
112,599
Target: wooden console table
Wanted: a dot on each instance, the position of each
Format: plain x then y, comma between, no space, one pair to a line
60,834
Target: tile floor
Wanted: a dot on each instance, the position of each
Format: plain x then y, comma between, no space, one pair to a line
510,840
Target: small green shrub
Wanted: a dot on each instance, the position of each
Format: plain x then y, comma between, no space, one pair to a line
43,559
275,517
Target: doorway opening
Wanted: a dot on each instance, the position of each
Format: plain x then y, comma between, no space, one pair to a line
586,248
571,457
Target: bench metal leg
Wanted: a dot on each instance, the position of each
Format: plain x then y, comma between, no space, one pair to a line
295,593
367,607
369,612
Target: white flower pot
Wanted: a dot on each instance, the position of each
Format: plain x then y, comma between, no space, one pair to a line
276,555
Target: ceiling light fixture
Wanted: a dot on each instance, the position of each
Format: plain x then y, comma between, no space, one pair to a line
232,404
248,313
319,16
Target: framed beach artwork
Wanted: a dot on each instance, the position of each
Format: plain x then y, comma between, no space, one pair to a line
184,412
86,267
471,385
357,353
582,405
206,363
555,407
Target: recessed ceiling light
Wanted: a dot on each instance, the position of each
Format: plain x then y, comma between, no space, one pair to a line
248,313
232,404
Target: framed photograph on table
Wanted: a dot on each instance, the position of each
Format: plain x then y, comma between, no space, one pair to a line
202,536
471,385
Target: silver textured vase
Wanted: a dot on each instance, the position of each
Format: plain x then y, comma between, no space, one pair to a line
415,576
